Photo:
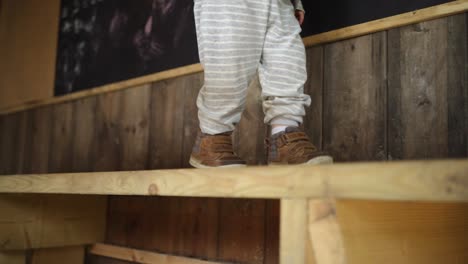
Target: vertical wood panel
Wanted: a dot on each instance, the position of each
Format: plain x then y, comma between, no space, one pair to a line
272,229
60,154
167,124
134,127
457,63
8,133
23,142
107,147
420,91
41,138
241,231
84,125
355,98
314,88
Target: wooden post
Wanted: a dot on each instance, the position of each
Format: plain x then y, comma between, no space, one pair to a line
293,230
324,232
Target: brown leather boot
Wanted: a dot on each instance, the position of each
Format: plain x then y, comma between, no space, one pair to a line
294,147
212,151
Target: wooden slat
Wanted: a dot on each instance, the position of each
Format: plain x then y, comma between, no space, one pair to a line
417,180
413,17
70,255
426,94
83,140
272,227
324,232
355,98
140,256
40,141
60,153
8,139
238,218
39,221
293,231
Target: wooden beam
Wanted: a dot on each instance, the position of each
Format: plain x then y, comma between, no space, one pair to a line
450,8
324,232
410,180
293,231
39,221
140,256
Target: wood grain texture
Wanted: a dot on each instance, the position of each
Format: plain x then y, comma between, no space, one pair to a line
13,257
419,181
426,94
313,121
143,257
324,232
404,232
245,243
41,138
23,143
8,138
84,131
60,152
354,115
293,230
134,128
107,148
272,229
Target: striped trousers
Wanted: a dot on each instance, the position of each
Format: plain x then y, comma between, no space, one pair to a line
237,38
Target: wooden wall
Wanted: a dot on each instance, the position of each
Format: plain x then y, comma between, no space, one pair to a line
397,94
28,41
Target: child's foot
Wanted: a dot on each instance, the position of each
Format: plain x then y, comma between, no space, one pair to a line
294,147
211,151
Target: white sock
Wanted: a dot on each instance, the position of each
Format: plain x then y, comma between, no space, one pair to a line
280,124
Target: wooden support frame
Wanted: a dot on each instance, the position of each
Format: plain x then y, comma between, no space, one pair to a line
445,180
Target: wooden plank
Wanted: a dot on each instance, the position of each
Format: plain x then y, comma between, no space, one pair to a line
38,221
40,141
109,88
293,230
60,153
84,125
167,124
419,92
134,128
313,122
13,257
23,142
324,232
8,138
416,180
272,227
404,232
72,255
404,19
107,148
354,125
457,85
140,256
248,217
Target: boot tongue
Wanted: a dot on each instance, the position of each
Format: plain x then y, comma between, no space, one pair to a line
292,129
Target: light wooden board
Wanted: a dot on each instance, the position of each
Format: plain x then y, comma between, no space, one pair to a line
140,256
69,255
417,180
38,221
293,231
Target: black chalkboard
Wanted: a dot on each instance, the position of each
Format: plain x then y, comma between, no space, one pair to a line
327,15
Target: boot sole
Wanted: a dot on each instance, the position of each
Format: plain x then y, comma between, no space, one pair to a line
197,164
